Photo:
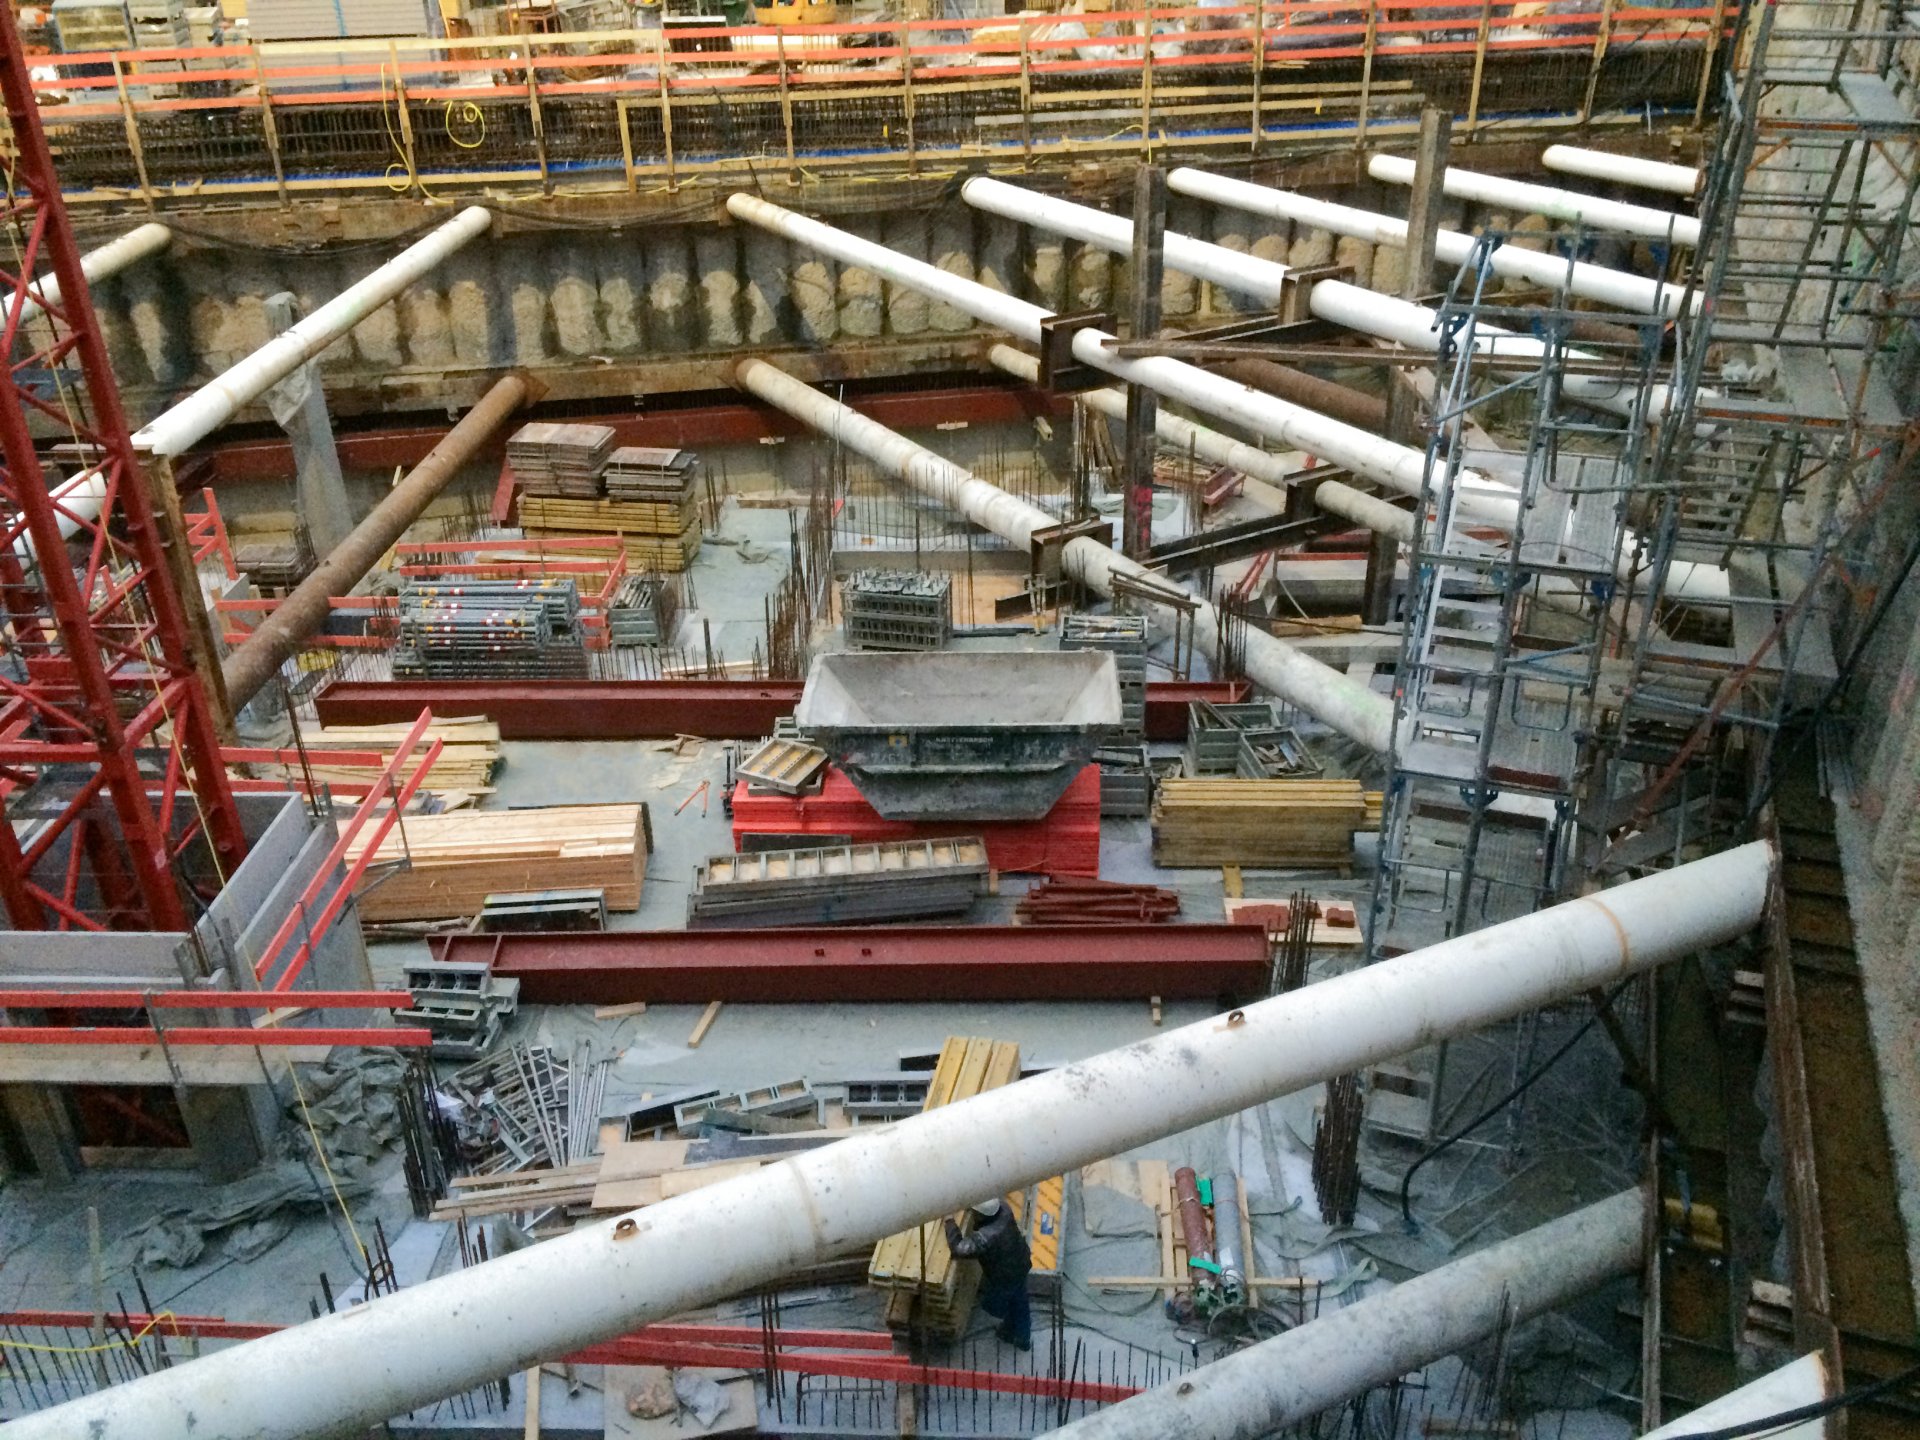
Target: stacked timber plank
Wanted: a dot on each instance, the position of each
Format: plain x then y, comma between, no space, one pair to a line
469,754
840,884
916,1263
457,860
560,460
1278,824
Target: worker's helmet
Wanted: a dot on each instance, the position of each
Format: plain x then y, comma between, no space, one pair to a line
988,1208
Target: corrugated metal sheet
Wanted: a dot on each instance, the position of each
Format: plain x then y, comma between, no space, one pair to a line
326,19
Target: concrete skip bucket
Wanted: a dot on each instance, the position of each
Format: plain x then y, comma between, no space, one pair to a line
961,735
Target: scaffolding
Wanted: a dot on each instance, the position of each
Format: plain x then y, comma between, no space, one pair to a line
1793,424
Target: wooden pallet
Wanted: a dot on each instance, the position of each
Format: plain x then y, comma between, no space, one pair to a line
458,859
1276,824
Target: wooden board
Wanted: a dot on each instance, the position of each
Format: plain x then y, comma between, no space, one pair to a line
1277,824
458,859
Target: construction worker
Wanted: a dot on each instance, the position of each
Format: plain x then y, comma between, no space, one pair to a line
996,1242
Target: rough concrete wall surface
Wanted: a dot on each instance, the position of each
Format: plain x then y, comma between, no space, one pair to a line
574,299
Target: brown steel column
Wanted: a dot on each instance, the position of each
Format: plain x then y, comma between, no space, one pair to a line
1342,402
1143,406
1416,279
259,658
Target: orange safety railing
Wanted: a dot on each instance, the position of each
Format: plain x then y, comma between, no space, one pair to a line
443,96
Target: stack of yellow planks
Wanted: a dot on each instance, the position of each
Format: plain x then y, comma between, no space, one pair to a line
459,859
469,754
1280,824
946,1289
656,535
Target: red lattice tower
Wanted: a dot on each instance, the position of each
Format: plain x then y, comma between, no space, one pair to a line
116,800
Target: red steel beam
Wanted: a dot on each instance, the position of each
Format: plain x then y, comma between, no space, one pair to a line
736,421
653,709
203,999
210,1035
881,962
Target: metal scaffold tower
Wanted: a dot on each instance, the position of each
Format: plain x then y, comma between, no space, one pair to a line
1511,592
1793,435
117,805
1506,633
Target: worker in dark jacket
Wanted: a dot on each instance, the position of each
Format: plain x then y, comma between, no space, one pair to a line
996,1242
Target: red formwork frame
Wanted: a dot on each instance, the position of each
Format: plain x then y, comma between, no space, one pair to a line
105,684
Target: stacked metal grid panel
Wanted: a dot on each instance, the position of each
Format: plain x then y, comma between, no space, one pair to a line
644,611
485,629
560,460
1125,637
897,610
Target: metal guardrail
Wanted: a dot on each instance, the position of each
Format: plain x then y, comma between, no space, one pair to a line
627,108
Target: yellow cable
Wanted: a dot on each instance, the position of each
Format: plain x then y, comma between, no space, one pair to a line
470,114
327,1170
128,1343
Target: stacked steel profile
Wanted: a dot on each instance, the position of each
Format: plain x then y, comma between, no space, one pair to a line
490,629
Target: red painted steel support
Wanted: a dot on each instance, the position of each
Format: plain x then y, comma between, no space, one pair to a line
211,1035
653,709
202,999
880,962
387,790
97,626
734,421
851,1354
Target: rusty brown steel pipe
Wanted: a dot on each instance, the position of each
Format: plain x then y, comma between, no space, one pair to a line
1342,402
259,657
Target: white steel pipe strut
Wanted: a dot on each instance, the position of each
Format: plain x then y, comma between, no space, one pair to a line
1623,169
1567,205
1310,1369
342,1373
1415,326
179,429
1585,281
1368,311
108,260
1342,702
1333,496
1397,467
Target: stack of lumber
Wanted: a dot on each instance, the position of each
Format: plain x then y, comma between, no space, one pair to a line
944,1287
1076,900
655,534
1280,824
562,460
469,755
840,884
459,859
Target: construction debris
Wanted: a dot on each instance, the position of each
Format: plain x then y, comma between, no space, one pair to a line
840,884
524,1108
448,865
462,1002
